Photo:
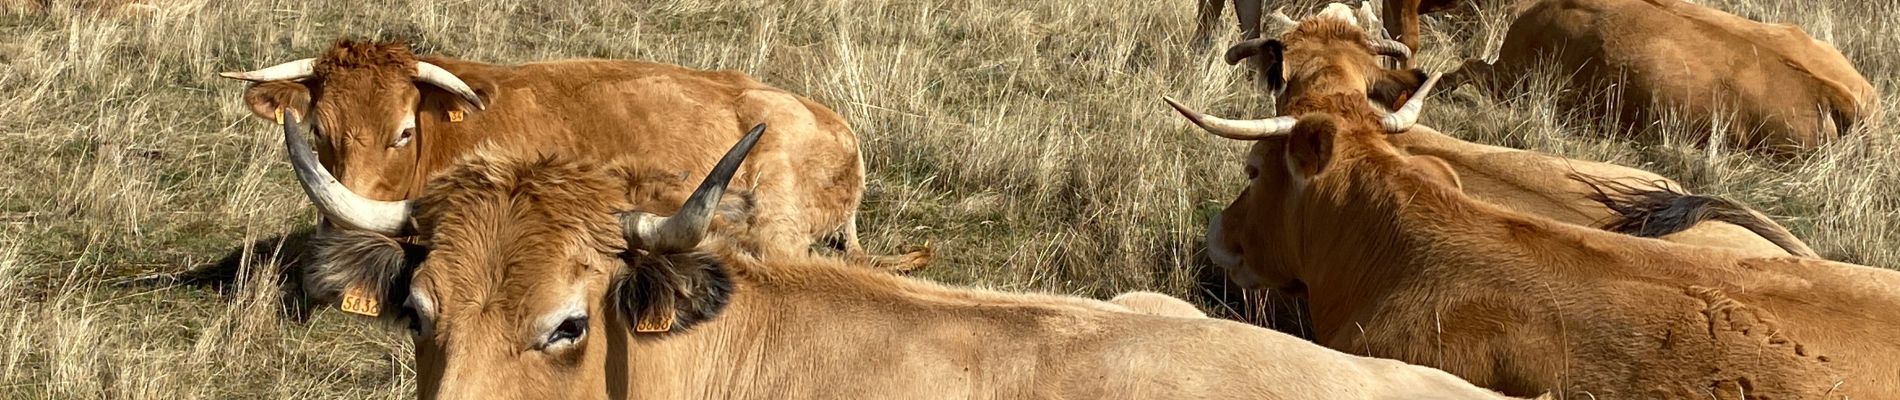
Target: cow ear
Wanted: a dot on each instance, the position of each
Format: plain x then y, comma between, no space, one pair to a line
1310,147
1393,86
265,98
363,273
663,294
1437,168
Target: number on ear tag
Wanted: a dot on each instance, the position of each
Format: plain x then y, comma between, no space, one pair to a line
456,115
657,318
357,300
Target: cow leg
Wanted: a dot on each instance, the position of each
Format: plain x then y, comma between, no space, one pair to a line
1210,17
1401,19
1249,12
854,251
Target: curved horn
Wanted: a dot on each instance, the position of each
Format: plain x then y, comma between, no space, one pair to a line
1244,49
289,71
1279,22
1390,48
1407,115
336,201
1238,130
686,228
441,78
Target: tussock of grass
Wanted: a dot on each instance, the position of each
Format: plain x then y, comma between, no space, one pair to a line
1024,140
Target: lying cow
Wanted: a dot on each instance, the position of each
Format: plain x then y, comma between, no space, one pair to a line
1775,87
1152,303
389,120
1618,198
540,280
1613,197
1399,262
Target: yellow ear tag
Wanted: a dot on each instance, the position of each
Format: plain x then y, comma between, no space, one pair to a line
280,116
658,318
357,300
456,115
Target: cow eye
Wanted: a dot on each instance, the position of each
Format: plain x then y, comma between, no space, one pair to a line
402,139
571,330
418,323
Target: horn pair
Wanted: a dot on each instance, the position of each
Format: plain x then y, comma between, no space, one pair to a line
1256,129
305,68
1380,45
682,231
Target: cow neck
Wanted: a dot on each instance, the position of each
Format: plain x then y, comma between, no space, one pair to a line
788,332
1367,239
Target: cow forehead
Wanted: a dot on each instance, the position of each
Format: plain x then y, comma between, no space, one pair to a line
501,225
358,57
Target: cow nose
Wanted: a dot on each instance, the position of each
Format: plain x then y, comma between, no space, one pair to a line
1217,250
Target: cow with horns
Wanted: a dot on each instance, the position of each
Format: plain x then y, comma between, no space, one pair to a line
387,120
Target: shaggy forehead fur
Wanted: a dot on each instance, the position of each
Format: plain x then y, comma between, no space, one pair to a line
1328,65
351,54
499,220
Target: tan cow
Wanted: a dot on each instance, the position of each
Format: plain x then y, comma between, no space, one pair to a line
1623,199
389,120
1152,303
1613,197
1399,262
540,280
1775,87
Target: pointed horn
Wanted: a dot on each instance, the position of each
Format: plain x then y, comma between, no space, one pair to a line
336,201
289,71
1390,48
1407,115
1244,49
434,75
685,229
1237,130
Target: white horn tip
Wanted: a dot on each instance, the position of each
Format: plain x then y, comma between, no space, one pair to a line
234,75
1192,116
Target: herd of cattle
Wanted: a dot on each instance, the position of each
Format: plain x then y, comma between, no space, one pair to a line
512,217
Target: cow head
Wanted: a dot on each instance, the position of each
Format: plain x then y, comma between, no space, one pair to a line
1329,82
364,97
1269,55
531,268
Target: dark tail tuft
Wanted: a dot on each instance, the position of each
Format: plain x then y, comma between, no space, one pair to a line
1654,210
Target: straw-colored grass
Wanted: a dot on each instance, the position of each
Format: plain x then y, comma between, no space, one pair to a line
1023,140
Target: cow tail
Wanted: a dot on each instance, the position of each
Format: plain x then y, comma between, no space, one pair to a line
1654,211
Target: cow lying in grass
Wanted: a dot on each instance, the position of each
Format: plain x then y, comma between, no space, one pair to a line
535,278
1398,262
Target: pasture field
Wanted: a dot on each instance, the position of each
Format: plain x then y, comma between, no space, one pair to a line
1024,141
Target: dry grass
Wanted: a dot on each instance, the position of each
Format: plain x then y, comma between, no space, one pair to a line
1023,140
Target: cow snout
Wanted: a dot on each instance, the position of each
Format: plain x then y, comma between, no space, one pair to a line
1228,258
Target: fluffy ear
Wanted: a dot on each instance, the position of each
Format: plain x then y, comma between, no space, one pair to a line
1310,147
671,293
266,98
1266,56
1394,86
1437,168
364,272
